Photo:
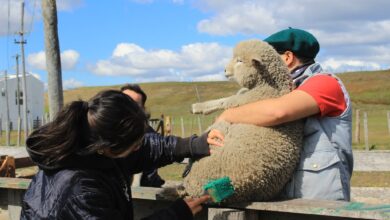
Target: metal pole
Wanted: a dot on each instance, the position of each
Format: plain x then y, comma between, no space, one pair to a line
24,82
18,100
7,120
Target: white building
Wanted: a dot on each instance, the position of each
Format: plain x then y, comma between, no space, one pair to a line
35,96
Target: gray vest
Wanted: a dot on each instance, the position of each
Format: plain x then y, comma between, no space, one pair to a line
326,163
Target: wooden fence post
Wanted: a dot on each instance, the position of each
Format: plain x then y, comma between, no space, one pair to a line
1,128
388,121
365,130
182,127
199,126
172,125
19,131
192,125
357,127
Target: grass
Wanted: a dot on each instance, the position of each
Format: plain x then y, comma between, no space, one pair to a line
369,91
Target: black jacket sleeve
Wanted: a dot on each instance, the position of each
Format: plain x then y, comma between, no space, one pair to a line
158,151
178,210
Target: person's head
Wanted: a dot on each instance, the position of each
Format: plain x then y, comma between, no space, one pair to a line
295,46
110,123
136,93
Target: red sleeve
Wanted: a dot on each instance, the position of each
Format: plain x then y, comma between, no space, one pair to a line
328,94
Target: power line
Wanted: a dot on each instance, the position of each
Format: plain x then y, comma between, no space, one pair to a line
8,33
32,18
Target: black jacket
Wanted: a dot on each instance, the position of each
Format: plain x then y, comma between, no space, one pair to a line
96,187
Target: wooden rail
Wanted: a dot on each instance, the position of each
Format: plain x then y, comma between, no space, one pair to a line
147,200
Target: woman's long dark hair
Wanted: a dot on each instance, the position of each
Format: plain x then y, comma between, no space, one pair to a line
110,119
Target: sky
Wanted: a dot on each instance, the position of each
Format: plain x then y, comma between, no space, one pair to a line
133,41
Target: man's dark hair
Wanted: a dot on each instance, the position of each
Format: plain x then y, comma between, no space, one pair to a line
302,60
135,88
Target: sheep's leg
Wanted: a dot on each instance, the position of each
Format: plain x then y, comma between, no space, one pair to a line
208,106
242,97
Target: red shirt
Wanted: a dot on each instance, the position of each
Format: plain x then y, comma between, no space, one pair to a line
328,94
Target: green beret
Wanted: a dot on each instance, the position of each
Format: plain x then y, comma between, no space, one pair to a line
300,42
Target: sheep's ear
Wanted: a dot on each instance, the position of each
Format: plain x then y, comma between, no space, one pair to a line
256,61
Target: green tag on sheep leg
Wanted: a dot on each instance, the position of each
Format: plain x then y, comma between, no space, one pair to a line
219,189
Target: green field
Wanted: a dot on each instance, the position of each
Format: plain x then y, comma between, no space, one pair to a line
369,91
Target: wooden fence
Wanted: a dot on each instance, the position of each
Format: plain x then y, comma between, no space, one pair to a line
147,200
185,126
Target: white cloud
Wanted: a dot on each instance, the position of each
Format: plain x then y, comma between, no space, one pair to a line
244,18
352,33
192,62
11,25
32,13
37,60
71,83
69,59
339,65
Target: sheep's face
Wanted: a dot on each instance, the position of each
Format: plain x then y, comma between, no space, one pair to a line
254,63
242,68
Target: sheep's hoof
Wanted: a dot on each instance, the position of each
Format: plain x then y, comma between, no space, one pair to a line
196,109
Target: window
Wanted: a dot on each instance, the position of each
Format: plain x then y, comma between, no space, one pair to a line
20,97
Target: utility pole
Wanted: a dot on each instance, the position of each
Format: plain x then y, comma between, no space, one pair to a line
53,59
7,127
18,98
22,42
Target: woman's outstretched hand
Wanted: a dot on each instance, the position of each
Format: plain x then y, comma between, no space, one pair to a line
215,137
195,204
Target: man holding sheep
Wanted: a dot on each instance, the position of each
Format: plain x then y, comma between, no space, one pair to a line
326,162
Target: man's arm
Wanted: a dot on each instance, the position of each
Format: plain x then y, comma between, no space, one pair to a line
292,106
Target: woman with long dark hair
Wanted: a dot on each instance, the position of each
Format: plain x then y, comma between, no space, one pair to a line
87,153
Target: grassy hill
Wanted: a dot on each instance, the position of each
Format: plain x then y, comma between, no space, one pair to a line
369,91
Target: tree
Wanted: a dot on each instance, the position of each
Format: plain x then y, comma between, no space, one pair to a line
53,59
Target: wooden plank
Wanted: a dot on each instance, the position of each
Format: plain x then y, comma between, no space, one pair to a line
14,183
151,193
376,160
296,206
16,152
321,208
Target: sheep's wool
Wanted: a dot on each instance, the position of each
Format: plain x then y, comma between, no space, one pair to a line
258,160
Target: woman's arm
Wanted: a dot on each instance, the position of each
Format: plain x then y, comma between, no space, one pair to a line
158,150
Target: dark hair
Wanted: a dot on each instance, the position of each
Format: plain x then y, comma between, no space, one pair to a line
305,60
136,88
302,60
110,119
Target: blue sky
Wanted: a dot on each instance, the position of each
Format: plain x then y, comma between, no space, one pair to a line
119,41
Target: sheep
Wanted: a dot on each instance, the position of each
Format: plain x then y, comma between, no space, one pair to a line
258,160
